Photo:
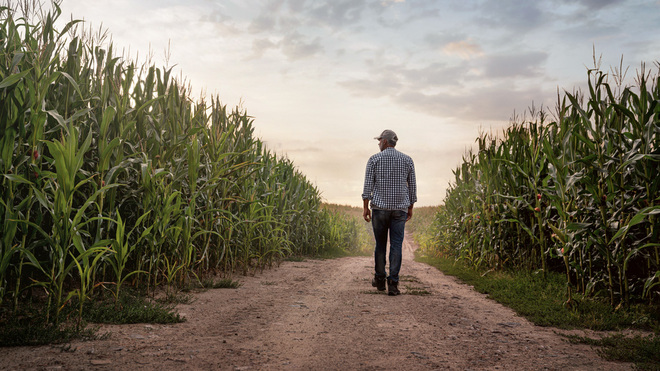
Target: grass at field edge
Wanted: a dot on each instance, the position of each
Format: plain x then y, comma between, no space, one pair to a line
542,301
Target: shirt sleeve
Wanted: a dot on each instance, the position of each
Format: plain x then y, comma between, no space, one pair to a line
369,181
412,184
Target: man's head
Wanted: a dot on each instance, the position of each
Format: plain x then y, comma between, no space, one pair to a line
386,139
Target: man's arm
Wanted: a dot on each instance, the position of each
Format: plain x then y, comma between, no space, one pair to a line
412,185
368,190
412,188
366,213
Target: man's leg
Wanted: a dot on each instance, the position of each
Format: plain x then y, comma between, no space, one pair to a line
380,222
397,229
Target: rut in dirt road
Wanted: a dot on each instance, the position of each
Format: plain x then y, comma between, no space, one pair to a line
324,315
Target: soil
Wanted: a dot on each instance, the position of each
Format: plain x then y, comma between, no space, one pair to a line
324,315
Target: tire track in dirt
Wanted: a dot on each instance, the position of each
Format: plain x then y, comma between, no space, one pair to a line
324,315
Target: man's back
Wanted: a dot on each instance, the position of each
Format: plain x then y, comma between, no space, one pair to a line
390,181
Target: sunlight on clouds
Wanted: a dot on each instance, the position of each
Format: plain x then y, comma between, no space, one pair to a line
466,49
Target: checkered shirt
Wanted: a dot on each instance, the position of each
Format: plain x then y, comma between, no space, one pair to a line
389,181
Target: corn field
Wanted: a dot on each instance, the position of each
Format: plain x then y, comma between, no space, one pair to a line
577,193
113,175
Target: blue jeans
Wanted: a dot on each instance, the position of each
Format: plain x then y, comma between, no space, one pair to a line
394,222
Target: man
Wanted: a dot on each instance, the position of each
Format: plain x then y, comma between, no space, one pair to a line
390,185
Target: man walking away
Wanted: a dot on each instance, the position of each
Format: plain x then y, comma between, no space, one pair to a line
390,185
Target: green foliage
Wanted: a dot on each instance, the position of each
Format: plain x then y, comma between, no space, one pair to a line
129,308
174,298
578,195
24,333
31,327
111,173
422,218
540,298
644,351
349,227
226,283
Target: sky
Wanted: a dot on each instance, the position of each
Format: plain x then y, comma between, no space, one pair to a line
322,78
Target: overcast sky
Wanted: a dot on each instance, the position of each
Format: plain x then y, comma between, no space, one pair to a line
322,78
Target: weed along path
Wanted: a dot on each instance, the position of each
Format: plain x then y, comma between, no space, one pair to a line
324,315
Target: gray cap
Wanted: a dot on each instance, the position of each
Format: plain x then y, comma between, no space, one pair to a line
389,135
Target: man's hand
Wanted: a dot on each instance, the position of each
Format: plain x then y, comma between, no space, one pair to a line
410,212
366,214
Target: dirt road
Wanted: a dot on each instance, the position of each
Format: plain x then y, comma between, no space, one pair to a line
324,315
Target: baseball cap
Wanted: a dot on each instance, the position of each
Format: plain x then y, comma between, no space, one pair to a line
389,135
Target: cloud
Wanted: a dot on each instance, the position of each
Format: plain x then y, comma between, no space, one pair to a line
260,46
263,23
296,6
374,88
295,46
434,75
590,31
391,80
587,12
399,14
301,27
465,49
512,65
494,103
440,40
338,13
595,5
216,16
449,91
512,15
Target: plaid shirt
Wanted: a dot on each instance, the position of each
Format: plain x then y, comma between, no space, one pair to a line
389,181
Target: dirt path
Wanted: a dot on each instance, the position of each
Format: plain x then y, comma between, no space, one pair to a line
324,315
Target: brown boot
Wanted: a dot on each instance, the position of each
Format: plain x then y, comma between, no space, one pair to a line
393,288
378,283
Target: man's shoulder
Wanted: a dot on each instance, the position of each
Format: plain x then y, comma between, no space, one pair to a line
376,156
405,155
390,153
402,155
